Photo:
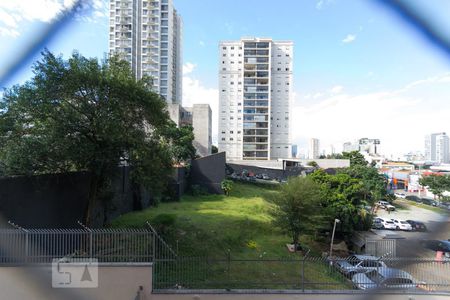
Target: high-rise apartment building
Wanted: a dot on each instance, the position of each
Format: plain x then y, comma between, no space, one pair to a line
314,148
147,33
437,148
255,87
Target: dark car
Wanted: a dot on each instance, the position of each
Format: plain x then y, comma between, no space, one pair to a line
429,202
417,225
413,198
436,245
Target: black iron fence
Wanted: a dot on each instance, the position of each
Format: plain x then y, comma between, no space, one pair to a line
301,274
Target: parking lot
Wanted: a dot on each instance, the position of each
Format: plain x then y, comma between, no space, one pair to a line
408,242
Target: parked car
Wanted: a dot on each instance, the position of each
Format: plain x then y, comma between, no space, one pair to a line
265,177
357,264
377,224
429,202
402,225
384,278
400,195
414,198
388,224
385,205
417,225
259,176
436,245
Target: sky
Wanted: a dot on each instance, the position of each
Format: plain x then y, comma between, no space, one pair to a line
359,69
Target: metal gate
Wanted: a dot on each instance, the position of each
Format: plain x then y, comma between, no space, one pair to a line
384,247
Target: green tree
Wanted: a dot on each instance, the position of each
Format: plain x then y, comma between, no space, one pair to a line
312,164
226,186
356,158
297,207
342,199
84,115
373,183
214,149
437,184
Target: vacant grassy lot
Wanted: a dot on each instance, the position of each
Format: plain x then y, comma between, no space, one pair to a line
237,227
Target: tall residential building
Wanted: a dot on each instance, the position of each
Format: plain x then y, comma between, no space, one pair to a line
437,148
147,34
365,145
255,86
314,146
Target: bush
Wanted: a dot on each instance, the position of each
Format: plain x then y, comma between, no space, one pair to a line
197,190
164,223
226,186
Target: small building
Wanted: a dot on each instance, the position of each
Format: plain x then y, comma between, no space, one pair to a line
199,116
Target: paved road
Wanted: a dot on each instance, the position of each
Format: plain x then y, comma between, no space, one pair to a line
408,244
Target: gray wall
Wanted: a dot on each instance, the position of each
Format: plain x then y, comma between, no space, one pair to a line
273,173
123,282
60,200
208,172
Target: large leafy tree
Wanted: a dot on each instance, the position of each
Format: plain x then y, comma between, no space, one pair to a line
84,115
342,199
437,184
373,183
356,158
297,207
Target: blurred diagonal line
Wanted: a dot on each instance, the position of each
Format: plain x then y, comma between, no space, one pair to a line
26,54
420,22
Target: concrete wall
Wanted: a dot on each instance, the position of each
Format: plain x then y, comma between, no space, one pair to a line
134,282
272,173
202,123
60,200
115,281
208,172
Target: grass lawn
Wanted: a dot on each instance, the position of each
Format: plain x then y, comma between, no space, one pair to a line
240,224
425,206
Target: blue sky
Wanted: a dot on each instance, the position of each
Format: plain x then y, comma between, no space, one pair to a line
359,70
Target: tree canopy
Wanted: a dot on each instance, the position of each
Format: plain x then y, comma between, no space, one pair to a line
437,184
355,157
296,207
84,115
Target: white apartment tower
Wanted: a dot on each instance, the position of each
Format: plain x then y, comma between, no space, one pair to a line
147,33
437,148
314,148
255,87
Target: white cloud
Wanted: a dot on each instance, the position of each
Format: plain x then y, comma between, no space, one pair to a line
317,95
9,32
400,118
194,92
349,38
188,68
337,89
323,3
13,14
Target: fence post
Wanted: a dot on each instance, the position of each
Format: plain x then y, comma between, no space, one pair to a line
90,238
228,265
303,274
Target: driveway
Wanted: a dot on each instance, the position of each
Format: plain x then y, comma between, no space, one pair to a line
408,243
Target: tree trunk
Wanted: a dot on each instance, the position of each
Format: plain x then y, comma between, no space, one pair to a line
92,200
295,238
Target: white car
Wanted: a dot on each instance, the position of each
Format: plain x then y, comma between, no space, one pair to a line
400,195
385,205
388,224
402,225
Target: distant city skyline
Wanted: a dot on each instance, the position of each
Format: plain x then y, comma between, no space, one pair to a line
349,81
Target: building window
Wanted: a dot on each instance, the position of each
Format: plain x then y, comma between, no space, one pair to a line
231,132
224,55
224,48
223,139
231,139
287,69
232,48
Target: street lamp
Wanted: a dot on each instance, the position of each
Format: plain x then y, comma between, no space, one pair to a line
332,236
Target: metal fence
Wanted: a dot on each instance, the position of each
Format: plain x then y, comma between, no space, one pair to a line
19,245
300,274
